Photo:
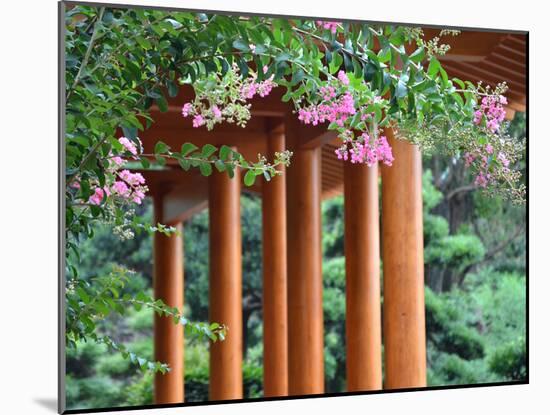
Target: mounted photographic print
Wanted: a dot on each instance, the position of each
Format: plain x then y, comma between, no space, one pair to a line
260,207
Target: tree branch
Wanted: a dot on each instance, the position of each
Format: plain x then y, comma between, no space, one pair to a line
461,189
87,55
492,253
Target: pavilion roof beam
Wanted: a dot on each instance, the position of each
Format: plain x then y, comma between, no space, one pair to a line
493,77
469,45
184,193
516,100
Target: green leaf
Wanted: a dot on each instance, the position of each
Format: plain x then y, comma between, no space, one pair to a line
385,54
160,160
162,104
459,82
243,67
83,295
225,151
241,45
145,163
187,148
418,55
205,168
249,177
297,77
335,63
208,150
230,170
220,166
444,76
401,89
144,43
434,66
172,88
161,148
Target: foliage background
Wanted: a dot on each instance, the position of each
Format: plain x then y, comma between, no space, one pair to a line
475,294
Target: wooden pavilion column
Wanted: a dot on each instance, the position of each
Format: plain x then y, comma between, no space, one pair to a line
274,277
362,251
403,259
226,380
305,285
168,286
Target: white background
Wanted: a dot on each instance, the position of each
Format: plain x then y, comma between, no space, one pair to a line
28,204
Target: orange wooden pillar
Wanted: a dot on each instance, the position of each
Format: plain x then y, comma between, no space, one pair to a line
274,277
362,250
226,380
305,288
403,260
168,286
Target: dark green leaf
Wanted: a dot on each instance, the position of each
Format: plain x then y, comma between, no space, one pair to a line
249,177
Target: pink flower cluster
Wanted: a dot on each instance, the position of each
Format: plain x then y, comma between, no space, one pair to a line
332,26
97,197
198,120
338,110
263,89
343,77
187,109
480,157
128,145
333,108
492,110
126,185
129,186
366,150
207,116
337,106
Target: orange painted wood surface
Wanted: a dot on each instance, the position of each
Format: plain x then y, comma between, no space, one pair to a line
362,251
305,288
274,277
225,307
168,286
403,260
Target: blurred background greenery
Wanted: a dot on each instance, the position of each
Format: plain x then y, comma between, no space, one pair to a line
475,272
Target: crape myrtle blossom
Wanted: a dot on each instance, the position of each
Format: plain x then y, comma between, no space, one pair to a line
342,77
333,110
121,185
332,26
487,164
97,197
228,100
128,145
198,120
491,112
338,106
490,158
366,150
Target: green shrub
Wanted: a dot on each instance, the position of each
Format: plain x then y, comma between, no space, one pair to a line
456,251
116,366
463,341
94,392
141,320
449,330
139,391
80,360
510,361
430,195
